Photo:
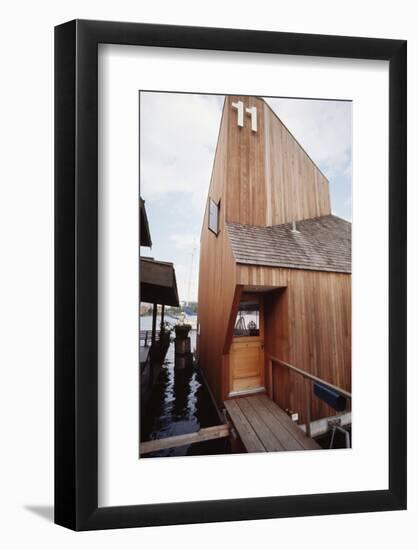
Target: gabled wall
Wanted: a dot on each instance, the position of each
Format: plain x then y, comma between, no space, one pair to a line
217,276
260,178
270,178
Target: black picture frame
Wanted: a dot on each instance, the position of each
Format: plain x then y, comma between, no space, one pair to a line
76,271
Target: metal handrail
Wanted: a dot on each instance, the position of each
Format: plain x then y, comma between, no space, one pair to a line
307,377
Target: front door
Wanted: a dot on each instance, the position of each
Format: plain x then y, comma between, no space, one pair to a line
247,349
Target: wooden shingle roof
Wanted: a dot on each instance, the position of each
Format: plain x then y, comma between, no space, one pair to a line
321,244
158,284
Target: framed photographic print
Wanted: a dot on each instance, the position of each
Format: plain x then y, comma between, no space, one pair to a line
230,275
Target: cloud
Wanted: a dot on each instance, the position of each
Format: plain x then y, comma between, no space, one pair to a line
178,136
323,128
178,141
187,280
186,241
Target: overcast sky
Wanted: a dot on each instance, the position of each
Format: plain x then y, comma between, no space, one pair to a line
178,135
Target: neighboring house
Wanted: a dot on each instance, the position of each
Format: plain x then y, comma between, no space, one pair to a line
158,283
158,286
275,266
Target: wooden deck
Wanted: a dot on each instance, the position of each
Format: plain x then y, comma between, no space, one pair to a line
264,427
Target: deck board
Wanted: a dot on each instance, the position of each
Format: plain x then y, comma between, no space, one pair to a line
281,432
267,437
296,432
246,433
264,427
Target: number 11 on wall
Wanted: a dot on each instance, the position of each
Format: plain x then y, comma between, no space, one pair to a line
251,111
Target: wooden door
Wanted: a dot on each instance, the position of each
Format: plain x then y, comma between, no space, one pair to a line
247,372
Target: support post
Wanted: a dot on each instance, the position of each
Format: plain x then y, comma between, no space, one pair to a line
308,406
270,380
162,317
155,309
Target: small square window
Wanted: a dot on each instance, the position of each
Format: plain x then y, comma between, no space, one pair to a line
213,218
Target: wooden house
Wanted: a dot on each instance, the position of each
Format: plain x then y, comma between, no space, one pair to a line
275,268
158,286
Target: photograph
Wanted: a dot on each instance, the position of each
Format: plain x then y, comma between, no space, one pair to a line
207,231
245,209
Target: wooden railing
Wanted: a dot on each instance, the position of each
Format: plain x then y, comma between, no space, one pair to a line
146,336
204,434
308,378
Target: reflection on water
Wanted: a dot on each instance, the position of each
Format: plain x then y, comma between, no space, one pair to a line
180,404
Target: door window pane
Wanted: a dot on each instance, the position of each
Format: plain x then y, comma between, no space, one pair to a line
247,319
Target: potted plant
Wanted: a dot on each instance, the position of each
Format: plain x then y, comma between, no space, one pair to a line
181,331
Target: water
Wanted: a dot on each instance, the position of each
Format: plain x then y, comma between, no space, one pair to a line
339,441
180,404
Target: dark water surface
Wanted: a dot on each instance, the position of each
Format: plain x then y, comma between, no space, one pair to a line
180,403
339,441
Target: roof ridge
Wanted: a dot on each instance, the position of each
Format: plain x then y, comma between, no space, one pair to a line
303,220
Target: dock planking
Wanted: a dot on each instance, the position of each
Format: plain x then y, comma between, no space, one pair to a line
264,427
243,427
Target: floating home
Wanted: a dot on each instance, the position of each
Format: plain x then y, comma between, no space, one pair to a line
274,315
158,286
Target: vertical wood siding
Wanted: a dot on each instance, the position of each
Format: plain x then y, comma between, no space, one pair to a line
270,178
266,178
297,188
217,277
308,324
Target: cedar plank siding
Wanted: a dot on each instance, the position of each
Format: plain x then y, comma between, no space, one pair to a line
266,178
307,324
217,279
270,178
